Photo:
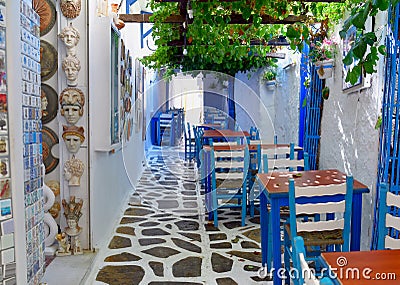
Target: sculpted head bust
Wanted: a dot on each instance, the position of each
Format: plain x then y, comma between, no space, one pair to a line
72,213
70,8
73,137
73,170
72,101
70,36
71,66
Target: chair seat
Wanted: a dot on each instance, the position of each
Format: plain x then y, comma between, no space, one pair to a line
229,183
284,211
319,238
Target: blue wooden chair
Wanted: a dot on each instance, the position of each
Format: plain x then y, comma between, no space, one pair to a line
305,274
190,144
321,215
229,180
254,133
198,137
220,119
276,159
389,222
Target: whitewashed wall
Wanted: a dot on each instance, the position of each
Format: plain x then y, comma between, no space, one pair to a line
108,169
349,141
286,120
247,101
274,110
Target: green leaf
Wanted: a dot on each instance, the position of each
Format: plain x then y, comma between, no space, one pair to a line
369,67
361,17
381,4
382,49
378,123
348,60
354,74
292,33
359,49
304,104
369,38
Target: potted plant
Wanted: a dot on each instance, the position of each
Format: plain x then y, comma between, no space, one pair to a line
270,77
322,55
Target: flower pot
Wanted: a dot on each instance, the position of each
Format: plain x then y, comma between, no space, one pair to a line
325,68
270,84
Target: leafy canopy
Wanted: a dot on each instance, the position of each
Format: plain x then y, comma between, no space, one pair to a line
212,43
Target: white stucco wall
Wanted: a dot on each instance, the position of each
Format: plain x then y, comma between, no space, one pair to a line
286,120
255,104
274,110
349,140
109,165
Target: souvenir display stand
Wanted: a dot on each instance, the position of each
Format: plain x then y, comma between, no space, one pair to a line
22,212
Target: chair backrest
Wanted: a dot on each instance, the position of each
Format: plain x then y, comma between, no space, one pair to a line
389,222
282,159
254,133
198,133
187,132
319,201
305,274
231,164
227,143
221,120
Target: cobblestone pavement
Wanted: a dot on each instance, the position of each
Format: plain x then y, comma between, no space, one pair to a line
164,237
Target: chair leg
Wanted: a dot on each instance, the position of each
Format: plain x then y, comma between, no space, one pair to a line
244,207
251,200
215,207
251,207
269,250
286,258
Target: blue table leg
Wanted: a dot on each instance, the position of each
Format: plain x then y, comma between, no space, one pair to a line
207,188
276,240
356,222
264,228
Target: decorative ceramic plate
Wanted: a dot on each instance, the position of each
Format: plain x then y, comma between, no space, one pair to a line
47,13
49,139
50,111
48,60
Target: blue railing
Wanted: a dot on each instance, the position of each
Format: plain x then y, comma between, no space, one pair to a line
312,114
389,148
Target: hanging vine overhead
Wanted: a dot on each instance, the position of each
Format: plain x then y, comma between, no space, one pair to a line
236,35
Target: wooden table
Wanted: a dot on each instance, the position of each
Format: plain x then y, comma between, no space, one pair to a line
275,190
363,267
272,146
223,134
206,168
209,126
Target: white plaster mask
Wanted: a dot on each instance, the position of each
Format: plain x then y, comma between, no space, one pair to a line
73,143
70,36
71,66
71,113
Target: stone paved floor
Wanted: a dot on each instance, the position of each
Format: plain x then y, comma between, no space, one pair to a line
164,238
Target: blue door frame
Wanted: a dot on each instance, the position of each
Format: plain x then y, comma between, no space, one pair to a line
389,148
